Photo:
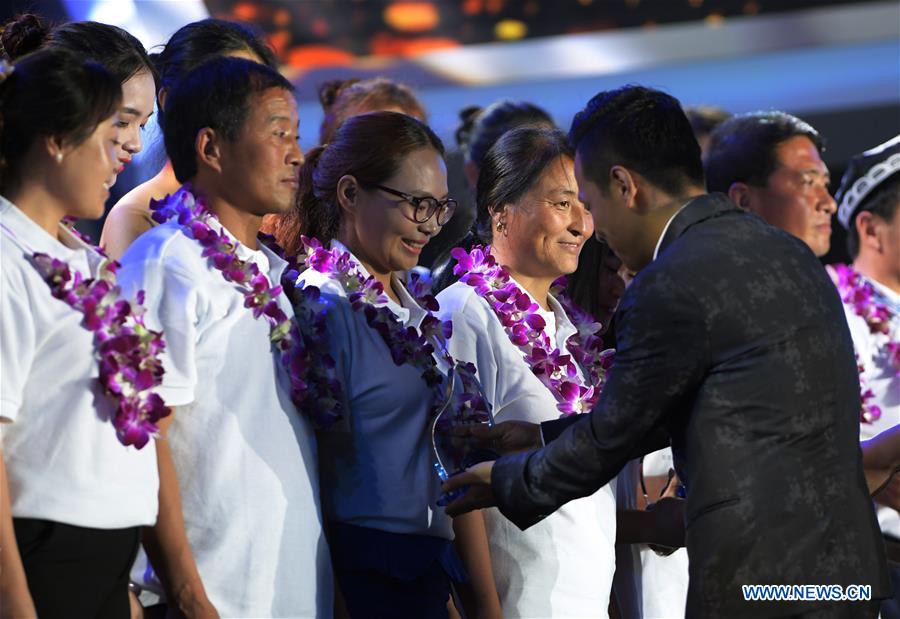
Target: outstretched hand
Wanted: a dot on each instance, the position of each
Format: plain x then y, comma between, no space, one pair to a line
888,493
476,480
881,458
668,531
503,438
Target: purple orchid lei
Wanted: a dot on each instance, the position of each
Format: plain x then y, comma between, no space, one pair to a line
302,344
128,352
868,411
523,324
858,293
407,344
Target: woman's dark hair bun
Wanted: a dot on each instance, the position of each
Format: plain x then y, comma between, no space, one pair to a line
467,117
330,89
22,35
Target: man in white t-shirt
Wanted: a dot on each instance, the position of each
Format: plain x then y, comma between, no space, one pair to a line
239,530
869,207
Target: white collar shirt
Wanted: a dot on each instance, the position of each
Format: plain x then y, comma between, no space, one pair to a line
245,458
377,464
563,566
64,461
666,229
881,377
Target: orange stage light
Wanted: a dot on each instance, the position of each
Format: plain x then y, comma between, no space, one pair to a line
315,56
384,44
411,16
245,11
282,17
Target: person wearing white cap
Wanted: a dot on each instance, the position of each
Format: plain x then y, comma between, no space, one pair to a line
869,207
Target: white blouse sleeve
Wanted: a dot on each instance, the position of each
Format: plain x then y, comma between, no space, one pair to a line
171,300
19,339
470,342
508,382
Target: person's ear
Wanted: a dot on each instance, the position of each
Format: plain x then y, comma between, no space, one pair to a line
348,193
739,193
871,230
161,98
623,186
55,147
208,149
499,223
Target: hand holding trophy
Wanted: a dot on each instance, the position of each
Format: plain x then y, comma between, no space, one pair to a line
464,406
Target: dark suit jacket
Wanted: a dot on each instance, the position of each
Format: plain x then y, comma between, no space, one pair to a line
734,341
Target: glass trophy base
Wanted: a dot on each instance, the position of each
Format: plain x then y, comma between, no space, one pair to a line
455,449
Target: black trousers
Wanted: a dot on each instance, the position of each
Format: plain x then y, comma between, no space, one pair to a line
75,571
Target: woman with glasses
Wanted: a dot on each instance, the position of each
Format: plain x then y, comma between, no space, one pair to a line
376,194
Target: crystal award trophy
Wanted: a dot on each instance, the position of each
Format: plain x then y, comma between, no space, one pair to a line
464,405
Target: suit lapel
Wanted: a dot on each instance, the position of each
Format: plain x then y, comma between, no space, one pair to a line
697,210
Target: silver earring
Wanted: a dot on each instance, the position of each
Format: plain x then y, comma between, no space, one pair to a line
59,157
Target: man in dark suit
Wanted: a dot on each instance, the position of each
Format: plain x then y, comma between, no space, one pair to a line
733,342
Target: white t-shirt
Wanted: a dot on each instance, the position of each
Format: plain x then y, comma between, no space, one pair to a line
563,566
648,585
664,579
63,459
246,460
881,377
378,462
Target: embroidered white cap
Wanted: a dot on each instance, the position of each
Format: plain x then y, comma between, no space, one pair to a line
866,172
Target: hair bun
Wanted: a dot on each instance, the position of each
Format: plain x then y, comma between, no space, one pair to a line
467,116
23,35
330,89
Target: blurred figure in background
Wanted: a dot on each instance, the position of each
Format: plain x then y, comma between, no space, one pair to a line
342,99
704,119
189,47
458,227
770,163
480,129
596,285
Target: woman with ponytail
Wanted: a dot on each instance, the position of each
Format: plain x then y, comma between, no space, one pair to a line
535,364
189,47
373,197
78,475
115,50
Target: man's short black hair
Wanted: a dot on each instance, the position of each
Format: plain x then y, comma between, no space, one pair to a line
217,95
884,201
642,129
742,149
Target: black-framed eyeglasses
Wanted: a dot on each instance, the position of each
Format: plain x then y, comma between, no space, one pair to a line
424,208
